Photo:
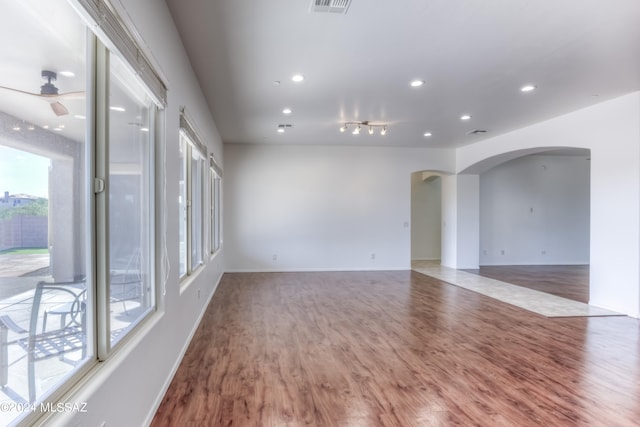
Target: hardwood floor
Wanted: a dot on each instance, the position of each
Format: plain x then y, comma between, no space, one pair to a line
567,281
397,349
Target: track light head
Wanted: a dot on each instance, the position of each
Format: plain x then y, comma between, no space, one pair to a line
357,126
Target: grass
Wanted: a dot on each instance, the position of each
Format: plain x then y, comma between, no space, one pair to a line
25,251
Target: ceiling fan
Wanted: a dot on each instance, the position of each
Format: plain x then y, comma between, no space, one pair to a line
49,93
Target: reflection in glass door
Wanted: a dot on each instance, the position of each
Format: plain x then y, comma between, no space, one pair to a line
45,297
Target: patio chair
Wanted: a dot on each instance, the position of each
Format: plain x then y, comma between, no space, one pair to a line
126,284
40,342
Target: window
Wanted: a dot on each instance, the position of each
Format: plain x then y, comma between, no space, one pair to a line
131,225
71,166
192,183
215,198
44,225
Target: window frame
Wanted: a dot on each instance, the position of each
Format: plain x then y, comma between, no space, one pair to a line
192,141
103,49
106,35
215,207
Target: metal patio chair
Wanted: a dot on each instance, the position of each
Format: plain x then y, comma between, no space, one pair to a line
40,341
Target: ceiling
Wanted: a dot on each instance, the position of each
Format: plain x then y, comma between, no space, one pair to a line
42,36
474,57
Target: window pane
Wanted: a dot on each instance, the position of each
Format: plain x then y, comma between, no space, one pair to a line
45,292
182,202
197,180
215,211
130,202
218,209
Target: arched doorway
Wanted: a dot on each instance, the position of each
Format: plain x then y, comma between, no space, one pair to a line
426,212
534,209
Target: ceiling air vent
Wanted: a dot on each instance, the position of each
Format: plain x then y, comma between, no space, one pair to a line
331,6
477,132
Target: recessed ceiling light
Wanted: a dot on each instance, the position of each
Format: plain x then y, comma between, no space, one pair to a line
79,116
67,73
527,88
465,117
427,134
116,108
280,130
297,78
416,83
144,129
287,111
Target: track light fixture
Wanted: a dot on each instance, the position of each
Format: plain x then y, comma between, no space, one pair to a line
366,123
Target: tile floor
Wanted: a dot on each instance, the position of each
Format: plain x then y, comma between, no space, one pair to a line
538,302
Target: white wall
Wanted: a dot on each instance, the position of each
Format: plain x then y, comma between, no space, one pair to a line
426,201
126,389
535,210
320,207
460,221
611,130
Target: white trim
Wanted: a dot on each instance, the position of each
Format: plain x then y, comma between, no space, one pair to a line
110,28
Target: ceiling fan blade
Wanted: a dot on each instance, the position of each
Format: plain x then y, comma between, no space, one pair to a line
59,109
72,95
20,91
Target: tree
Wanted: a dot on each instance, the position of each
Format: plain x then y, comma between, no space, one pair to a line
39,207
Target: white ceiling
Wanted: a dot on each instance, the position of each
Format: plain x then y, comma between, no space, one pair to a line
474,57
42,36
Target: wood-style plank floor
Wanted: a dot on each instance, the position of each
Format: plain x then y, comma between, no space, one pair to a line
397,349
567,281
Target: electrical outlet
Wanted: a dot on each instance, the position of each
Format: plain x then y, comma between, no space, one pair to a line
502,252
274,257
373,255
198,293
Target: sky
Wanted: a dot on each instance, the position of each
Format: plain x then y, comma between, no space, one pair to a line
24,173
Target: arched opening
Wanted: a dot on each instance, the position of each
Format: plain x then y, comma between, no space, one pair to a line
534,219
